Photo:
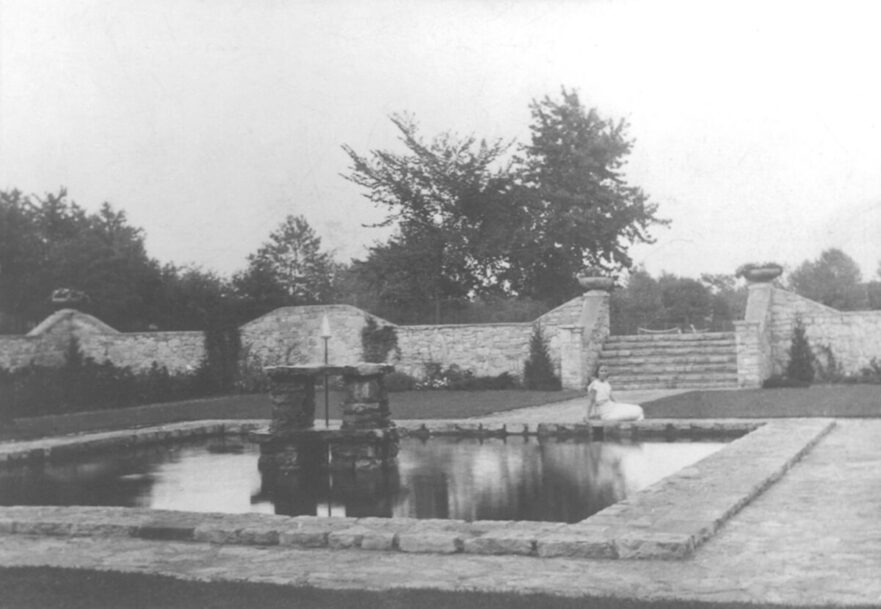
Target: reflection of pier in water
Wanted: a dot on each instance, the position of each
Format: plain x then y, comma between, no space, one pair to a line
302,467
514,479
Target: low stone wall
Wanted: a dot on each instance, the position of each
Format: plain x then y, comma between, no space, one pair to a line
21,351
668,520
765,336
292,336
179,352
486,349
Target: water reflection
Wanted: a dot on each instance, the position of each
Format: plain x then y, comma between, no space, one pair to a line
513,479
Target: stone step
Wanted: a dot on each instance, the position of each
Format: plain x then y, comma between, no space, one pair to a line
617,358
670,369
675,384
699,347
675,378
680,338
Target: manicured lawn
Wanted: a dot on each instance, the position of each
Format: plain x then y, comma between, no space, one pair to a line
440,404
816,401
51,588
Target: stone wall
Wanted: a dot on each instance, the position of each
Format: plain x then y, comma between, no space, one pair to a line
292,335
765,336
486,349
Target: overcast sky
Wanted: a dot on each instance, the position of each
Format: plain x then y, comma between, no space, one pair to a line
207,121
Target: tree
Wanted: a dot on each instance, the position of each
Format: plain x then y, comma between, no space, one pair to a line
484,225
538,370
728,300
51,244
450,201
833,280
800,368
581,210
637,305
288,269
686,301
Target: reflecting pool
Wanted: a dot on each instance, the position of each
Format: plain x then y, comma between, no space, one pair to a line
516,478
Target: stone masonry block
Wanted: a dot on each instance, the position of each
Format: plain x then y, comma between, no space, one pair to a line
501,542
586,545
304,538
216,533
369,389
379,540
665,546
438,542
103,529
347,538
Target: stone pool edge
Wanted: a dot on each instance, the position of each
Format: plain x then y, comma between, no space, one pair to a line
667,520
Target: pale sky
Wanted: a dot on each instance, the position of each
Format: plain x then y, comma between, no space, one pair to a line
208,121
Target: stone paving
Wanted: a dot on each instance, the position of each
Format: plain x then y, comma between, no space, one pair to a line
812,537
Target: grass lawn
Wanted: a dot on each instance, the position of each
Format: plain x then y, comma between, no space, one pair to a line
51,588
816,401
439,404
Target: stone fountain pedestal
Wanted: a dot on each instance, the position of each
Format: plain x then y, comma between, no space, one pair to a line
366,439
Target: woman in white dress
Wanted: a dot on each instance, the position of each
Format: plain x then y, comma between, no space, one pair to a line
602,405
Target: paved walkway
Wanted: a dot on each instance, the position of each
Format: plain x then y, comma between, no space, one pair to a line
572,411
814,537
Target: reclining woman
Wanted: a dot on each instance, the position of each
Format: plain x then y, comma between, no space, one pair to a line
602,405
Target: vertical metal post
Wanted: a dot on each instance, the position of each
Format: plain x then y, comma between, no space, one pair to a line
326,389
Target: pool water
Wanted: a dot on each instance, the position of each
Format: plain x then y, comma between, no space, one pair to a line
512,479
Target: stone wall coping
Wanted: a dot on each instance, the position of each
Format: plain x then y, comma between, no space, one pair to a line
667,520
312,370
510,324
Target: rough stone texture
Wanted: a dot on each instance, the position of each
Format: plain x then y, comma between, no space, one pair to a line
487,349
595,321
764,338
293,404
667,520
292,336
811,539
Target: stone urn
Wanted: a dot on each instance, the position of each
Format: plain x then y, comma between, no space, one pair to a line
760,273
594,281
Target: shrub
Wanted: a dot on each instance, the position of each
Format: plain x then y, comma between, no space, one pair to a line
538,371
377,342
778,380
827,367
399,381
800,367
456,378
871,373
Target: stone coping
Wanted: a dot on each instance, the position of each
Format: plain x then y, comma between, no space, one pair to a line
315,370
667,520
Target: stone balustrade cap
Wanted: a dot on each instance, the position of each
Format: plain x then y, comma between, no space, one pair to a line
310,370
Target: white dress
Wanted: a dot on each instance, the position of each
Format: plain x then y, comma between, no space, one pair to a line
609,410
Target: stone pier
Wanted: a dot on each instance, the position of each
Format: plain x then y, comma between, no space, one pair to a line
366,439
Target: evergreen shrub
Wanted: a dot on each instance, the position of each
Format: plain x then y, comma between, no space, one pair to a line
538,371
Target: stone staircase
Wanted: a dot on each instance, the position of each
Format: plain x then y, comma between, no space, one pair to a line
671,361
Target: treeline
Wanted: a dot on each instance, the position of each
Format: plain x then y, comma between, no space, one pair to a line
54,254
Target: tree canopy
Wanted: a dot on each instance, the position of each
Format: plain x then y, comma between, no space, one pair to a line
834,279
477,219
290,268
51,245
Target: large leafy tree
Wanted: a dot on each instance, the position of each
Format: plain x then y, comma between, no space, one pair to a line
50,245
832,279
450,201
638,304
481,223
580,208
290,268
